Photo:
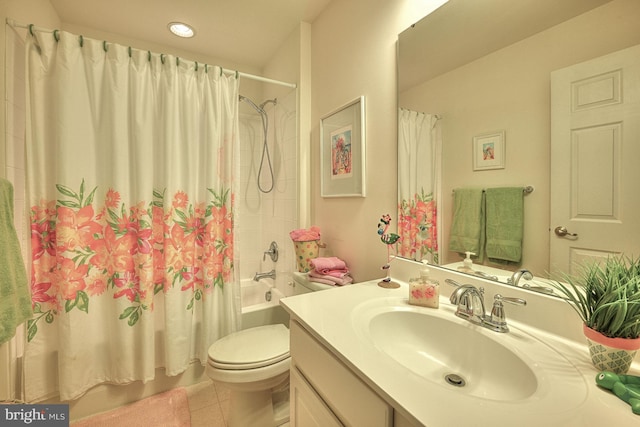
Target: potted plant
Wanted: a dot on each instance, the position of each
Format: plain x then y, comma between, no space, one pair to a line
606,296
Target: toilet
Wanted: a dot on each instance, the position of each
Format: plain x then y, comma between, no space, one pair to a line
254,365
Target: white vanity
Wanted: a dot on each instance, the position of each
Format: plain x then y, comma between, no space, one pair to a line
362,356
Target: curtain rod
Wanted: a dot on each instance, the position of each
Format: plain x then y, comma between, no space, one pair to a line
261,79
32,27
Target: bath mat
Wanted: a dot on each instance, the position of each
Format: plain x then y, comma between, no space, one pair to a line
168,409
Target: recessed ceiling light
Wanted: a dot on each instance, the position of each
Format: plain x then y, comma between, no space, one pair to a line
181,29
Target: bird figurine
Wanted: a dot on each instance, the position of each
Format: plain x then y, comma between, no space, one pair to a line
383,226
388,239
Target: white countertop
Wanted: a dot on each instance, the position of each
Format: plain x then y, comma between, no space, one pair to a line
329,317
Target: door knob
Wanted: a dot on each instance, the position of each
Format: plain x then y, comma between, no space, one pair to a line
562,231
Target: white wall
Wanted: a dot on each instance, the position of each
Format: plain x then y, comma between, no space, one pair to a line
510,90
353,53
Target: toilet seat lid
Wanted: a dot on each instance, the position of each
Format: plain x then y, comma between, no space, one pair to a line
251,348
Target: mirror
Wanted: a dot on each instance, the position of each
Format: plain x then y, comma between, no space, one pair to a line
479,68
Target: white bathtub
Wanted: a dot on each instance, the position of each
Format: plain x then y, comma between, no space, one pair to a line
256,309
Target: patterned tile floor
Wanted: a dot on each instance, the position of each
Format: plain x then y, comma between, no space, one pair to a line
209,405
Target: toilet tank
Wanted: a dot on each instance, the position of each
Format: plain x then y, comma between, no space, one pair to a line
302,284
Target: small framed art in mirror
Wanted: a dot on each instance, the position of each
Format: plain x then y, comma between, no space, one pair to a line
342,151
488,151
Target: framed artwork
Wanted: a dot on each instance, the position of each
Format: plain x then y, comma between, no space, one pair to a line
488,151
342,151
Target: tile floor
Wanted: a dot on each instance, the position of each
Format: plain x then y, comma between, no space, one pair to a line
209,404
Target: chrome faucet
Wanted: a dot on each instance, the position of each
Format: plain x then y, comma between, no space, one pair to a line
525,274
470,303
270,275
517,275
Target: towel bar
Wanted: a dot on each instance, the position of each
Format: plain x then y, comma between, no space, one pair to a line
527,189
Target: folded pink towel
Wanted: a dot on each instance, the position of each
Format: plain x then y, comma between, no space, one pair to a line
314,276
339,273
323,281
328,263
303,235
329,282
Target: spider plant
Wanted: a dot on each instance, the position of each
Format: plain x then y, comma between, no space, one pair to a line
606,296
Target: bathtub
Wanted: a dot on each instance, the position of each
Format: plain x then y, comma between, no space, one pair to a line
261,304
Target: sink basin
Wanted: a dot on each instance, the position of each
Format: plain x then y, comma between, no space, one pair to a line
438,349
453,354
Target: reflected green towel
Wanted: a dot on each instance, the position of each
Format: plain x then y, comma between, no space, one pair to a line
505,224
467,228
15,299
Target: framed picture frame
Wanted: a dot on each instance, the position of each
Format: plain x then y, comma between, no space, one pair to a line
489,151
342,151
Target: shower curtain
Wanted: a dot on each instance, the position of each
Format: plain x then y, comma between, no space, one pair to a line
130,168
419,160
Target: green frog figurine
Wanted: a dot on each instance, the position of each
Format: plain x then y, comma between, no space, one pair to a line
626,387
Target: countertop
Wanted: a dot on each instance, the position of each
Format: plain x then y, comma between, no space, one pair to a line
331,317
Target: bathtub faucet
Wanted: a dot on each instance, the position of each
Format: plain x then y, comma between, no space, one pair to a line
271,275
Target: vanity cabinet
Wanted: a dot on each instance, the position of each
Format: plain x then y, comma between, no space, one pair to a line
307,407
325,392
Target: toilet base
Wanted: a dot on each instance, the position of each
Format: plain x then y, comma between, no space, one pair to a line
259,409
281,407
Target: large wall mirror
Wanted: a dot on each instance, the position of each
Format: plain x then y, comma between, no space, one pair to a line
474,74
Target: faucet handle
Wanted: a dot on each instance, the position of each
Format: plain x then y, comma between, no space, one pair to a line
498,319
272,252
511,300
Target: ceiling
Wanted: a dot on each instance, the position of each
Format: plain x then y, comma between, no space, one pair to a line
462,31
246,32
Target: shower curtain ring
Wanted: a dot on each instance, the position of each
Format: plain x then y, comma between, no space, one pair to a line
31,29
81,40
56,36
104,46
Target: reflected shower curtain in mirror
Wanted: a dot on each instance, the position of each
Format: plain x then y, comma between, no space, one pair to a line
130,165
419,160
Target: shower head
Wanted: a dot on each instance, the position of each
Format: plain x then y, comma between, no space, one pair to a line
255,107
273,101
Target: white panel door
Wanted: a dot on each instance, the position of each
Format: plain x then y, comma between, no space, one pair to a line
595,160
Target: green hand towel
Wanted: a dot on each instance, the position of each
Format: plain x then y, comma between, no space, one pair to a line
467,228
505,224
15,298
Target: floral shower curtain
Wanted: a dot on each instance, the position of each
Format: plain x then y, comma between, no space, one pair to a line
419,159
130,168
